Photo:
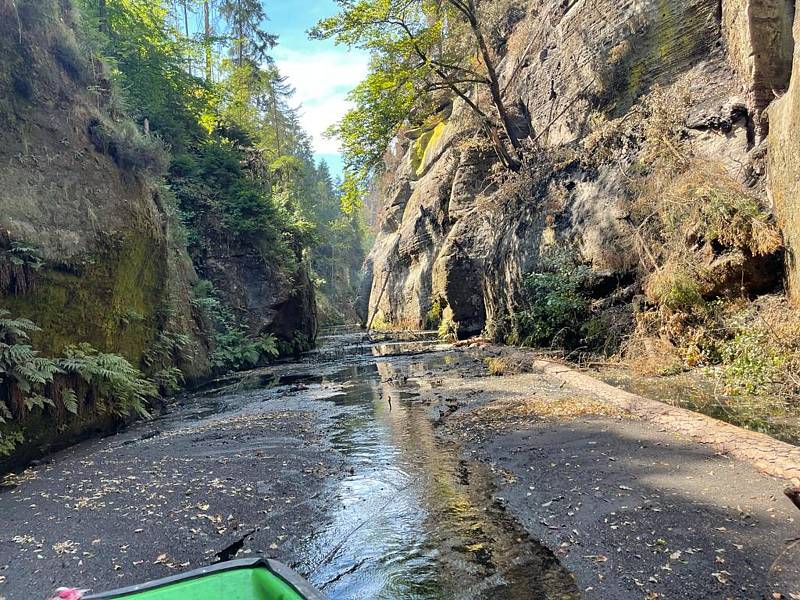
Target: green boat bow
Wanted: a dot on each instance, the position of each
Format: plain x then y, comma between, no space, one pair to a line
249,579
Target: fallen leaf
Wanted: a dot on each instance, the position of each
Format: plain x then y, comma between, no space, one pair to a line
721,576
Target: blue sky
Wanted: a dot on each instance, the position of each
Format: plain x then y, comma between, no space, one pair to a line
321,73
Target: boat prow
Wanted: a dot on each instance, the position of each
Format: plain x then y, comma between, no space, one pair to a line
248,579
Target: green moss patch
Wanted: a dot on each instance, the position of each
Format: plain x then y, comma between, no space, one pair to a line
110,299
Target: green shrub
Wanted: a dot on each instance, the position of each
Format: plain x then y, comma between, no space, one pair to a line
761,358
23,375
299,343
116,386
19,264
750,364
676,288
10,437
233,348
130,148
433,318
447,329
31,382
555,305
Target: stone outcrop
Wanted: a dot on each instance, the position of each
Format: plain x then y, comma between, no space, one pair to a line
452,235
784,171
270,300
96,228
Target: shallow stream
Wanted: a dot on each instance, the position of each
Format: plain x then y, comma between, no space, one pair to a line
410,518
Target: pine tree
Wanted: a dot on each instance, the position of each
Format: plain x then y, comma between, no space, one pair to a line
249,42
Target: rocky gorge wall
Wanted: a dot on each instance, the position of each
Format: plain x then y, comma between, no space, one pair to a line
783,170
95,228
110,260
456,237
89,245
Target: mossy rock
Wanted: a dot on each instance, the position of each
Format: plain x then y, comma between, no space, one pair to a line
423,147
110,298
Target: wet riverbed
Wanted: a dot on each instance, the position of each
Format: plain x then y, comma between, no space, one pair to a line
332,464
411,519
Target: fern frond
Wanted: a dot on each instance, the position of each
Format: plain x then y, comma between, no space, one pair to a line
70,400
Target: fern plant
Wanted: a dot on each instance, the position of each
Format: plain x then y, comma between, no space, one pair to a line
118,387
235,350
23,376
18,266
168,349
23,373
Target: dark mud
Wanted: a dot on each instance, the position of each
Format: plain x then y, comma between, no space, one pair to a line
332,465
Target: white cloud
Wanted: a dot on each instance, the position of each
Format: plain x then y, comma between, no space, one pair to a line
322,78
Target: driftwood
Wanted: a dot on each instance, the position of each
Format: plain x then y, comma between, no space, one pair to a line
470,341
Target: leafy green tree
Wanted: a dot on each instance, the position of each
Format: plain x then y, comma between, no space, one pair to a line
149,69
420,49
242,168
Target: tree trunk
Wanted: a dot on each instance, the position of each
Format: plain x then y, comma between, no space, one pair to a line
102,12
186,33
494,88
240,31
494,82
207,41
185,19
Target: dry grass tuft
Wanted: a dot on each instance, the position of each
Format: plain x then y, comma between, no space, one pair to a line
650,356
507,365
571,407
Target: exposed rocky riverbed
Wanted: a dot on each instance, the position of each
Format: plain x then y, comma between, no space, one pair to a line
396,468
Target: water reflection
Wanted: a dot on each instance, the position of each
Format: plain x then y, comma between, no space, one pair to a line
409,519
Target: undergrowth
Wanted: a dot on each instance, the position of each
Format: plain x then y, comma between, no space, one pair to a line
83,378
233,347
706,246
555,307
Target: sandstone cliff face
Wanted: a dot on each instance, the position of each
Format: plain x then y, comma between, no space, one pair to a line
270,300
454,236
784,171
96,228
